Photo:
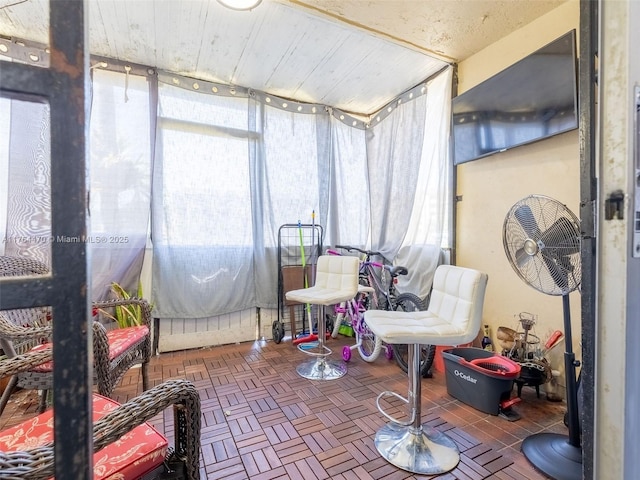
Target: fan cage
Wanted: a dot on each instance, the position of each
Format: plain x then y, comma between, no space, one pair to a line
541,239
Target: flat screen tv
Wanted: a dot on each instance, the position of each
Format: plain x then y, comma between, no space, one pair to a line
532,99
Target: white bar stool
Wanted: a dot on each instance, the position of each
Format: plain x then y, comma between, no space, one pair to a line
454,317
336,281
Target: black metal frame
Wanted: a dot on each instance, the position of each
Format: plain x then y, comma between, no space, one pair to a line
289,237
587,81
64,86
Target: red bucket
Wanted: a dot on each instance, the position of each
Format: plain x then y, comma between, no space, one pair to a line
497,365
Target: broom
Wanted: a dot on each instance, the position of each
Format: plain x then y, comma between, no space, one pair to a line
311,337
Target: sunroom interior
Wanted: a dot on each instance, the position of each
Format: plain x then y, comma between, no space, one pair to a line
369,133
211,129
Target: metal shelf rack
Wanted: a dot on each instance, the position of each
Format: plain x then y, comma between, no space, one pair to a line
295,272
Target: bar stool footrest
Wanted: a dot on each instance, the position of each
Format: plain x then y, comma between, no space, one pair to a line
402,423
314,349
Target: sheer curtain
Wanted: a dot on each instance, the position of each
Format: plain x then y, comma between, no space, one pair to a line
120,179
394,152
230,167
202,221
289,179
430,219
347,220
26,164
229,171
5,132
430,224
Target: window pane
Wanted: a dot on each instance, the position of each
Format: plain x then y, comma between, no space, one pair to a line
206,189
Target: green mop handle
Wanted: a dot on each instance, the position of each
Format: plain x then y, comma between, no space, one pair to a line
313,245
304,265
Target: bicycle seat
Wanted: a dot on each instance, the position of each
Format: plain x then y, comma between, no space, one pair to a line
399,270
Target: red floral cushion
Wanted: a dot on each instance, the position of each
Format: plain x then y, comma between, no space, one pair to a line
120,339
136,453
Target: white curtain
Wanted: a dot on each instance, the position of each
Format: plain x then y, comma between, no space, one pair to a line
289,182
348,212
120,176
202,221
394,150
26,165
430,219
119,171
5,132
230,169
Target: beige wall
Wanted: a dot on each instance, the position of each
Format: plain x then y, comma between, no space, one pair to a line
490,186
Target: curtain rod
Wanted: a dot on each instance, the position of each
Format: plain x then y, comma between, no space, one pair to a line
35,53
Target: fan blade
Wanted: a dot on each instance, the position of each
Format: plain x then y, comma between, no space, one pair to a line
562,236
522,258
559,267
524,215
560,240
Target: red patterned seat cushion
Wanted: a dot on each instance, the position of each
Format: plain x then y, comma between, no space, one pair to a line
136,453
120,339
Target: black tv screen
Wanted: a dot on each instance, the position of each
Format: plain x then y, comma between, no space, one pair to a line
532,99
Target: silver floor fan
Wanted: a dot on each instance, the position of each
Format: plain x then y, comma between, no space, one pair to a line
542,241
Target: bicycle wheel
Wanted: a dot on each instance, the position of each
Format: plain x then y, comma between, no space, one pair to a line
408,302
369,345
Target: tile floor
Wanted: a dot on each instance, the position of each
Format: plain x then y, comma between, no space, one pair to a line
260,420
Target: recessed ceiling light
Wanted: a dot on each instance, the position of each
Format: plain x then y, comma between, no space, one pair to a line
240,4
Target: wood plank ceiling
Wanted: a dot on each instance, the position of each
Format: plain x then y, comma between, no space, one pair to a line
322,51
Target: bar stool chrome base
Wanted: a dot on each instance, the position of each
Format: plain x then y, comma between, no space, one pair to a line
321,368
408,443
422,450
411,445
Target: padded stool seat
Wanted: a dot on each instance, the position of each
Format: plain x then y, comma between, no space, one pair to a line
454,317
336,281
415,327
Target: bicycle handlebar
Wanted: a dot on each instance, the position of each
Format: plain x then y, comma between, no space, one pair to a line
394,271
368,253
331,251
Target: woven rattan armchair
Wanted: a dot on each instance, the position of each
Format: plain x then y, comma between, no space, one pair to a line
111,431
115,350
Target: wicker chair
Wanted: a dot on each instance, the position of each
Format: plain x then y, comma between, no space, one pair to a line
114,427
115,350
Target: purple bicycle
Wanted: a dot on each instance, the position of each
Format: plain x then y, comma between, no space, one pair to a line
352,313
380,279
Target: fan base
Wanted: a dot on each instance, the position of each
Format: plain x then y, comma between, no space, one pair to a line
552,454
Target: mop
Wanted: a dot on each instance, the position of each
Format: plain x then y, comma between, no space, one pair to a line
311,337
